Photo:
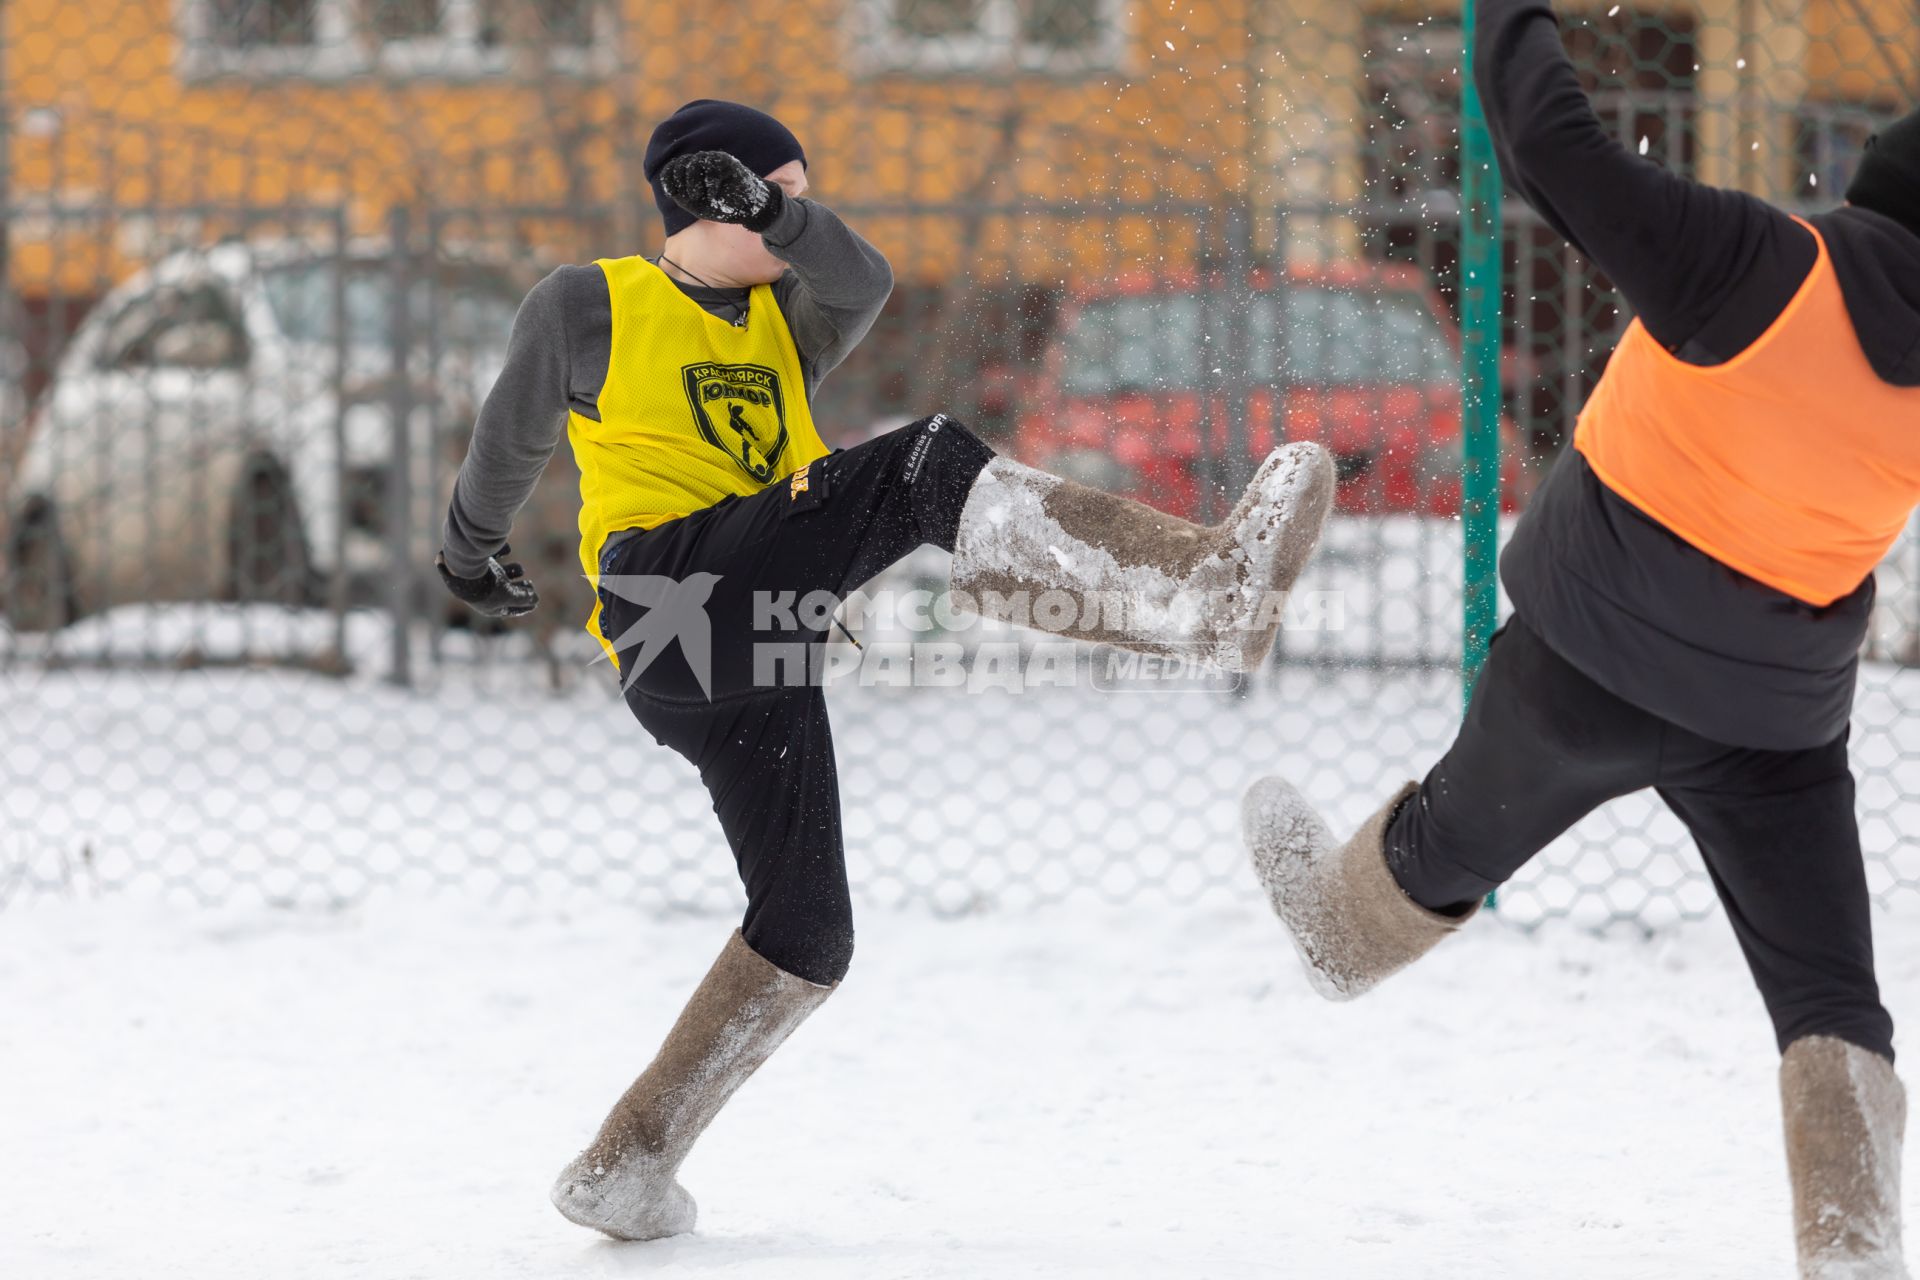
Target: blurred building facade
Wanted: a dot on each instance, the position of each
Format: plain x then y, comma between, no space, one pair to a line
929,109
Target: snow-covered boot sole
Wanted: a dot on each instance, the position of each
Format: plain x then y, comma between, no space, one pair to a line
628,1202
1350,921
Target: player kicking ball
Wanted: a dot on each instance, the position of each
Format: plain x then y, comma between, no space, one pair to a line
709,504
1691,586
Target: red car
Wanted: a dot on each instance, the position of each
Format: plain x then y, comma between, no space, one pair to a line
1360,358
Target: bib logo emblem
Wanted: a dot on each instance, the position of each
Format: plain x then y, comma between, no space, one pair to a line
739,410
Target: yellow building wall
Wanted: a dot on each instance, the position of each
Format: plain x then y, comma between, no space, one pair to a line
111,132
1864,51
114,149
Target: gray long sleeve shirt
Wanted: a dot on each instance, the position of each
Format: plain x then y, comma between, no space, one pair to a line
557,362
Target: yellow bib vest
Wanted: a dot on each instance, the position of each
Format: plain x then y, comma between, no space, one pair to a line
694,409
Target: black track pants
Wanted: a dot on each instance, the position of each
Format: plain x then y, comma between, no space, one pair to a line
1543,745
763,747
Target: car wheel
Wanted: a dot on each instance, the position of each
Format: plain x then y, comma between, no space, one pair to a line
266,543
39,594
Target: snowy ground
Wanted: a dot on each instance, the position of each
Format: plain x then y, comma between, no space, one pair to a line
386,1092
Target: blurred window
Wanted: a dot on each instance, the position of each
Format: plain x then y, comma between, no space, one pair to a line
1341,339
1063,36
567,23
466,308
1134,344
339,39
1060,24
247,24
194,327
402,19
1333,338
937,19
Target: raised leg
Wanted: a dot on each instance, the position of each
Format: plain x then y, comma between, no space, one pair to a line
1542,745
1137,577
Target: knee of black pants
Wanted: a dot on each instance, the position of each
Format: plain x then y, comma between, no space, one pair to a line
818,947
1542,746
1425,867
946,433
939,459
799,904
1818,982
1856,1018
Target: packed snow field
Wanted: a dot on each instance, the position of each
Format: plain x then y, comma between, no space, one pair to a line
387,1092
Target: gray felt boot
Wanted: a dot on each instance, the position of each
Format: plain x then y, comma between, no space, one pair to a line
1845,1116
1350,920
624,1183
1038,550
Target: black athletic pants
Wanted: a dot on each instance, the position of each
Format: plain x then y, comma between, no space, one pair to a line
761,744
1543,745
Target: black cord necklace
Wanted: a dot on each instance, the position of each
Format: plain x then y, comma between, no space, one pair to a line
739,308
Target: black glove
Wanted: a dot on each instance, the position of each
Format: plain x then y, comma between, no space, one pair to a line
503,591
715,186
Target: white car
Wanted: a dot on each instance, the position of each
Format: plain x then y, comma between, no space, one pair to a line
212,432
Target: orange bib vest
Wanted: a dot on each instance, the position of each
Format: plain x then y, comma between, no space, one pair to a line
1793,463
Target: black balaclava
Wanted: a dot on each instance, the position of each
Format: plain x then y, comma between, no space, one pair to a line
1888,179
752,137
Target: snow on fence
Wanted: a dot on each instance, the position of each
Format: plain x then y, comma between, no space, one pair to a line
207,779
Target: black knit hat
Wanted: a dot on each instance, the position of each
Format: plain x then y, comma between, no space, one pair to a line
1888,179
752,137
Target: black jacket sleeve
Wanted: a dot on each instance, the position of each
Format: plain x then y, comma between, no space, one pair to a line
1707,270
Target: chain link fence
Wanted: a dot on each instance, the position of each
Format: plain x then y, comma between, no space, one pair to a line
261,256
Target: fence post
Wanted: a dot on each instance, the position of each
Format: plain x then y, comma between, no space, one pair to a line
1279,387
1236,355
1480,266
1238,391
400,476
338,595
1209,472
